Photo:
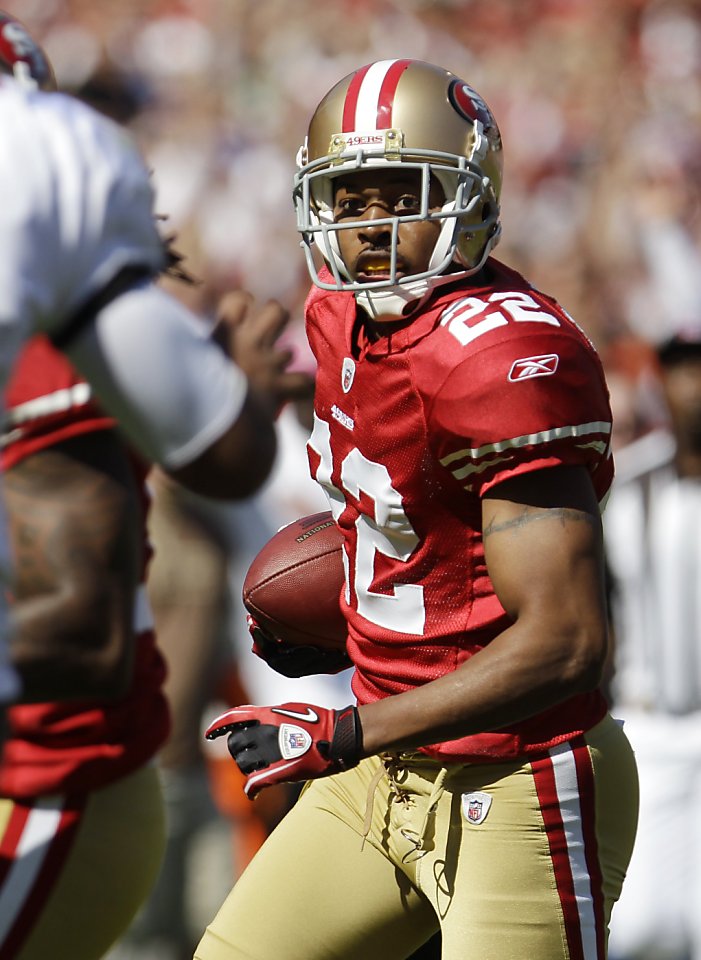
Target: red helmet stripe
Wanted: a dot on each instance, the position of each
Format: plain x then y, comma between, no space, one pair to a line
351,102
370,96
387,92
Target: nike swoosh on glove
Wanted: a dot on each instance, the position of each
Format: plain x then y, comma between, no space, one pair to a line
293,662
289,742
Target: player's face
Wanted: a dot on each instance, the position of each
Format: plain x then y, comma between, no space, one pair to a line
374,195
682,387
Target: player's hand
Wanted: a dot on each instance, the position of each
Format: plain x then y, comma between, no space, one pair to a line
294,661
249,334
289,742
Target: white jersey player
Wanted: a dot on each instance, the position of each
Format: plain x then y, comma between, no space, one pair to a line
79,254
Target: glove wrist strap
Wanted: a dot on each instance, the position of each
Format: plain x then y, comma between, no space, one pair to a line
347,745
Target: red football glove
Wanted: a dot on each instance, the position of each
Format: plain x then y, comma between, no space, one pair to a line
289,742
293,662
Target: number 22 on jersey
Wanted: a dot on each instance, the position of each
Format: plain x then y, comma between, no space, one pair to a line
388,532
472,317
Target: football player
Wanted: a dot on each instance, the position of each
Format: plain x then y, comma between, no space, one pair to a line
80,796
79,257
462,431
81,814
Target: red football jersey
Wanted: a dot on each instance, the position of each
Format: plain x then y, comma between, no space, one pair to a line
410,431
75,745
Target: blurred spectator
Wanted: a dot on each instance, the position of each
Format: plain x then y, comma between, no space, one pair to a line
599,103
653,531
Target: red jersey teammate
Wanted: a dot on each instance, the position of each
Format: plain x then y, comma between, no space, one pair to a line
80,255
81,819
81,816
462,434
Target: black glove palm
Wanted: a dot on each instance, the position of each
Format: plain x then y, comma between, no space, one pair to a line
295,661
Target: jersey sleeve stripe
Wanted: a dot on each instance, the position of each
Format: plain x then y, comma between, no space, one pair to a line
595,435
67,398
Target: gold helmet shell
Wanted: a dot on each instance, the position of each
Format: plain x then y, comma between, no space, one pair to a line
404,113
21,56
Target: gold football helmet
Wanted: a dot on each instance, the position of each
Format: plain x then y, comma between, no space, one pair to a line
403,113
21,57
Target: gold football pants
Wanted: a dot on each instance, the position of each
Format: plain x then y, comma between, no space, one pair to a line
512,861
75,869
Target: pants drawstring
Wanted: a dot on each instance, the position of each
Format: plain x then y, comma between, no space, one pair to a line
389,768
418,841
370,803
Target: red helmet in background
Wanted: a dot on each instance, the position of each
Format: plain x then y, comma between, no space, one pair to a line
21,57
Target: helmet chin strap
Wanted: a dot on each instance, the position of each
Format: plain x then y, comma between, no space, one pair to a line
393,301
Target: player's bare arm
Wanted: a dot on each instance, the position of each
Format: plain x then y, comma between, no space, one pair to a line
249,335
542,536
71,511
543,549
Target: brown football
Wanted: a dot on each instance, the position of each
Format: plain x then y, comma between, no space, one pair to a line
294,584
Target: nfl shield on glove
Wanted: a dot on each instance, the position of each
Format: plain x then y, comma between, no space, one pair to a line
289,742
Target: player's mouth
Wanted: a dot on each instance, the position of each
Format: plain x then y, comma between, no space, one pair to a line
374,265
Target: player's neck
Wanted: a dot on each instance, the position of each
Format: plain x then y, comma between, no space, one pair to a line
377,327
371,329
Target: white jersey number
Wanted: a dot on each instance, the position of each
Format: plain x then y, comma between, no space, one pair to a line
388,532
471,317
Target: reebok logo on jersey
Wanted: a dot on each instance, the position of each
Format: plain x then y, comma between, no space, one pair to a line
528,367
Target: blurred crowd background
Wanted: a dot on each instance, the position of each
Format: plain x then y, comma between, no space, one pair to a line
599,105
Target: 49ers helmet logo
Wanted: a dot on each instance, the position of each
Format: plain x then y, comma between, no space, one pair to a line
468,103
